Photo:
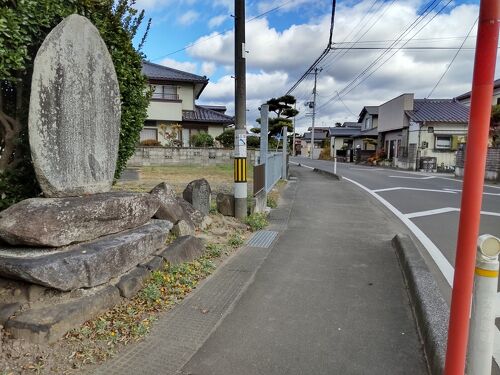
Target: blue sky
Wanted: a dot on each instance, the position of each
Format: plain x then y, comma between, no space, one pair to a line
284,42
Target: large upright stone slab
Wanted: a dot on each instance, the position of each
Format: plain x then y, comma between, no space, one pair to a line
74,115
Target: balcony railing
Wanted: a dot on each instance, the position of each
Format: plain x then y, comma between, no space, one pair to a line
163,96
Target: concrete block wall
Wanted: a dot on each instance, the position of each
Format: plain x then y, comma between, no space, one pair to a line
154,156
492,164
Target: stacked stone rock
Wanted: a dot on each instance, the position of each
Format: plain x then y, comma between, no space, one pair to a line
79,234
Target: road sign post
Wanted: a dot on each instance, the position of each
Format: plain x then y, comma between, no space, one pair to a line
472,192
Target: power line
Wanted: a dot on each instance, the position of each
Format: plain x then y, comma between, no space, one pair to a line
323,54
360,77
404,48
452,60
223,31
401,40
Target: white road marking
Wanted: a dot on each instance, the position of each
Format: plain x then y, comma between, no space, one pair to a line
440,260
444,210
484,193
410,188
366,169
414,178
437,211
442,263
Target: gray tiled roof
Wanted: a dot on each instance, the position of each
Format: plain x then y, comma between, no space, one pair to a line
205,114
438,110
367,133
318,136
155,71
372,109
345,131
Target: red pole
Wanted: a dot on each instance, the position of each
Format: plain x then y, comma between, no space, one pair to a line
472,193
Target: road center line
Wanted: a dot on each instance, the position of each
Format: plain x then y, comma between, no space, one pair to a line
414,178
416,189
431,212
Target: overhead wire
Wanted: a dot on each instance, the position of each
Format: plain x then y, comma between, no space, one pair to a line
223,31
409,28
452,60
322,55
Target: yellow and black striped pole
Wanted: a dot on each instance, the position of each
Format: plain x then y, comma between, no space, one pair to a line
240,169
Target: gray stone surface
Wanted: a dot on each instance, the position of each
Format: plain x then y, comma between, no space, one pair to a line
169,207
183,228
87,264
225,204
183,249
48,324
431,309
74,115
154,264
190,213
54,222
199,194
131,283
7,310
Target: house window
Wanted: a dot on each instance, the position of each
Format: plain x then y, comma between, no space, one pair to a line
368,123
443,142
149,134
165,92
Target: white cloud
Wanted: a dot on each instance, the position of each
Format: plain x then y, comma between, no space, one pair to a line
208,68
277,58
188,18
217,21
186,66
264,6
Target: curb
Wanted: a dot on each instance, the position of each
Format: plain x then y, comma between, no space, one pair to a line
430,309
326,173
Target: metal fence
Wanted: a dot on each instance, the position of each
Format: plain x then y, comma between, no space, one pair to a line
274,166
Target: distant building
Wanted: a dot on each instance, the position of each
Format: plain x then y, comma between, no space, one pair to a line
495,99
415,130
173,115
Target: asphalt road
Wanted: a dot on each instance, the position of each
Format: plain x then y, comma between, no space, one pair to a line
429,205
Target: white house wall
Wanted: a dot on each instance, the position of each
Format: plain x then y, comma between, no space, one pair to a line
391,115
215,131
164,110
186,94
446,158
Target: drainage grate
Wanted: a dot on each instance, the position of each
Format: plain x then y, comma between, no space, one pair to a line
262,238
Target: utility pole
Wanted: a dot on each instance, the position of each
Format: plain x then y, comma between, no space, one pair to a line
316,71
240,133
472,191
293,140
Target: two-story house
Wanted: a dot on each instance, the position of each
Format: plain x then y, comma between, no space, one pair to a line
366,138
411,130
173,115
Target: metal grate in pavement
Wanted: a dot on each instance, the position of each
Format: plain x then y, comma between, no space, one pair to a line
262,238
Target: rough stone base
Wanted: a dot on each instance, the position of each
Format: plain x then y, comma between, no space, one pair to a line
130,284
88,264
183,249
48,324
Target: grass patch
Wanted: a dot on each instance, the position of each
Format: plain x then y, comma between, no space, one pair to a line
257,221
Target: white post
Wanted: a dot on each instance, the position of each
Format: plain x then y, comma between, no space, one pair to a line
483,313
335,164
285,141
264,126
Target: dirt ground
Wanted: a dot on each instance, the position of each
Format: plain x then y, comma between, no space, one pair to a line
220,177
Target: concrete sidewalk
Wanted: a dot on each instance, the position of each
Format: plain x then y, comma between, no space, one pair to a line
327,297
